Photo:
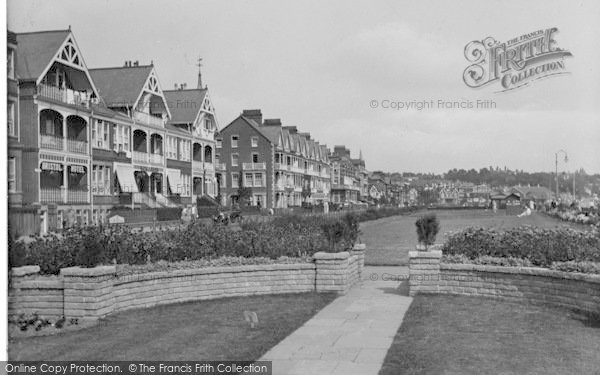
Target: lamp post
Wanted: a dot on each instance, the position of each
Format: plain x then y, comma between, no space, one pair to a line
556,166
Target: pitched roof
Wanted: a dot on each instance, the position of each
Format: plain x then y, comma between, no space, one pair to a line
120,86
272,133
36,50
184,104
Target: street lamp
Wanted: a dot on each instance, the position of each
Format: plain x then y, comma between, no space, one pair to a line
556,166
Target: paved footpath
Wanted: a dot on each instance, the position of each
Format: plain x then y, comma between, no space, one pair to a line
352,334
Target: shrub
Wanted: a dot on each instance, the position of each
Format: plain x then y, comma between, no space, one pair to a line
572,266
92,246
540,246
168,213
428,227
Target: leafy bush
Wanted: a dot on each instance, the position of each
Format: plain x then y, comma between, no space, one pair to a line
540,246
487,260
168,213
428,227
571,266
91,246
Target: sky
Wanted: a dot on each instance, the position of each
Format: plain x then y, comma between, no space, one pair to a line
323,66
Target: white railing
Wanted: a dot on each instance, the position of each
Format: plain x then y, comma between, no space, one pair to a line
156,159
254,166
140,157
209,166
62,195
77,196
296,169
206,134
80,147
148,119
51,142
220,166
48,194
64,95
197,166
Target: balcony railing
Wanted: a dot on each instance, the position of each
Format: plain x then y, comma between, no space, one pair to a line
68,96
197,166
77,196
205,134
80,147
52,195
156,159
209,166
254,166
140,157
62,195
281,166
148,119
220,166
51,142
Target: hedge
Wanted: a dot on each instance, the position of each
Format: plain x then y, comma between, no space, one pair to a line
539,246
92,246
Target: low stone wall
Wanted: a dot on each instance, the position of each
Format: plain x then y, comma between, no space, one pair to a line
92,293
538,285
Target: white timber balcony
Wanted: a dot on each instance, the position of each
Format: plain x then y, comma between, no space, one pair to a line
254,166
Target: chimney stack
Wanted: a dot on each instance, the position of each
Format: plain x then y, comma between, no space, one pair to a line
291,129
253,114
272,122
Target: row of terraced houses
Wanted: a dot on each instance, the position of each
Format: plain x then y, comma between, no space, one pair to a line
83,142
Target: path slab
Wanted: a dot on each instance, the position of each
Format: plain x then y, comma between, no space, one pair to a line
352,334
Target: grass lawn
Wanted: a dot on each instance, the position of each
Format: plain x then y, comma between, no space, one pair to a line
390,239
202,330
473,335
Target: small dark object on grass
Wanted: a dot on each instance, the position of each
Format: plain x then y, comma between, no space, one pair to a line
428,227
60,323
74,321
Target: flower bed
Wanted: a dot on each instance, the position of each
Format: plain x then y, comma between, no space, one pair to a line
539,247
589,216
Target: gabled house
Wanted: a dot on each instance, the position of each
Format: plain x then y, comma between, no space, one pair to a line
191,146
56,97
134,93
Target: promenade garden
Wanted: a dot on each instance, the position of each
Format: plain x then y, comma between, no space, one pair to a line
439,334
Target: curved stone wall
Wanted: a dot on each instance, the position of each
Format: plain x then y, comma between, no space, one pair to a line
91,293
538,285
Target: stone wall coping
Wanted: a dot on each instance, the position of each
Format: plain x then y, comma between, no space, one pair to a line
425,254
532,271
25,271
186,272
321,255
359,247
89,272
